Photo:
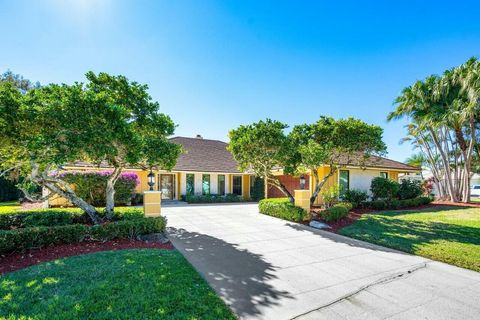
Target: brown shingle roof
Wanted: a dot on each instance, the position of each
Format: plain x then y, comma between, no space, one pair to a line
204,155
377,162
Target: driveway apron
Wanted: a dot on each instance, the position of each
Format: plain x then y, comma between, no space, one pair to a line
267,268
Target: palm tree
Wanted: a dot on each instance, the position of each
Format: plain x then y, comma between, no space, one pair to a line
417,160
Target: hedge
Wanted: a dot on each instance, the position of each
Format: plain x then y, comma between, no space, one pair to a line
282,208
37,237
336,212
56,217
213,198
396,204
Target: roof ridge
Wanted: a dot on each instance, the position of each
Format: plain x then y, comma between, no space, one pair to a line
400,162
197,139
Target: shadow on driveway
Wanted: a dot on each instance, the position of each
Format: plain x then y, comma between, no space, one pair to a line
239,276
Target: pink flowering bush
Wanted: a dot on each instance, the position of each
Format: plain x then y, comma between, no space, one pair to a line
90,185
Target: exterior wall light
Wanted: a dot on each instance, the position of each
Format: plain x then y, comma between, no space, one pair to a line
151,180
302,182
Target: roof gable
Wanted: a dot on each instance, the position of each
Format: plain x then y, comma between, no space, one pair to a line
204,155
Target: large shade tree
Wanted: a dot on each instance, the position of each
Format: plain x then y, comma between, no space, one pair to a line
109,120
262,148
333,143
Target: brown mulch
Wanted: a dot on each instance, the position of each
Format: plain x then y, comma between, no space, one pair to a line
457,204
30,257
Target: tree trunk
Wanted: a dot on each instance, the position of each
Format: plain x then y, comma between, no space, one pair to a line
282,188
110,193
77,201
64,190
319,184
446,165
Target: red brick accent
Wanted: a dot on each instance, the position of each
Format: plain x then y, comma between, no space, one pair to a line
290,182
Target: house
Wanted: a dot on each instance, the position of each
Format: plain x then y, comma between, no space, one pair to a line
205,167
352,174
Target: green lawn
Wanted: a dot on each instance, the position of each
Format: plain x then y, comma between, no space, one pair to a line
448,234
125,284
9,206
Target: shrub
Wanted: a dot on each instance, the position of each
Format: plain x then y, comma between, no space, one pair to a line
383,188
258,190
90,185
330,196
55,216
335,212
409,189
127,229
355,197
37,237
282,208
396,203
213,198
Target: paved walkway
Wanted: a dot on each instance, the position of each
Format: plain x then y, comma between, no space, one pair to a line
266,268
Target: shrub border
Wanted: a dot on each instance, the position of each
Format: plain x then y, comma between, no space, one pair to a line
38,237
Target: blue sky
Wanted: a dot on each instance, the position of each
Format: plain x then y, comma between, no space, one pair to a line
214,65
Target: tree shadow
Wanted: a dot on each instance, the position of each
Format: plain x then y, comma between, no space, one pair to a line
335,237
389,229
239,276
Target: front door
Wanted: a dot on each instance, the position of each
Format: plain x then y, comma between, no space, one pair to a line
167,186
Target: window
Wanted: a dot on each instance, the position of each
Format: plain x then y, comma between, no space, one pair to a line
221,184
384,175
237,185
190,184
206,184
344,181
252,184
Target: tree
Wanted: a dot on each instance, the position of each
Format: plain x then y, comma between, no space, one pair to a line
262,147
417,160
332,143
128,129
444,115
109,120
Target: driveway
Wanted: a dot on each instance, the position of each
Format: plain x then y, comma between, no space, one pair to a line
267,268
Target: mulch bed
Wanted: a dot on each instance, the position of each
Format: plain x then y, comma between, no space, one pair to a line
30,257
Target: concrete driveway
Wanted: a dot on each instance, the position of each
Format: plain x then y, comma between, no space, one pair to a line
266,268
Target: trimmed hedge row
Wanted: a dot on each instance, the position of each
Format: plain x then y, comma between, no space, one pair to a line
282,208
336,212
57,217
213,198
37,237
394,204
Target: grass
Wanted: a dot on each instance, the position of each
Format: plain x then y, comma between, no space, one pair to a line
448,234
125,284
9,206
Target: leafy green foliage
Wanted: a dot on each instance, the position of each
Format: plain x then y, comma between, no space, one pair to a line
336,212
355,197
409,189
12,218
262,147
282,208
90,186
109,119
384,188
123,284
8,191
36,237
213,198
258,190
383,204
330,196
331,142
447,234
